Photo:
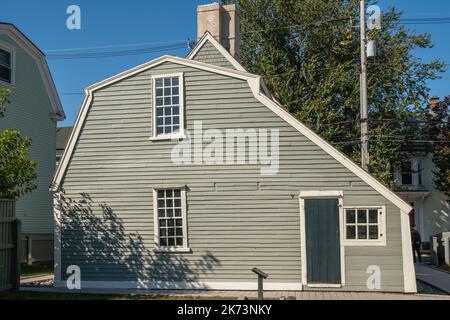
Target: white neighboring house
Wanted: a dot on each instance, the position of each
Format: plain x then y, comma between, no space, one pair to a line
414,183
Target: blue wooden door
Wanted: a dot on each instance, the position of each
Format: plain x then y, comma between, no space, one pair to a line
323,254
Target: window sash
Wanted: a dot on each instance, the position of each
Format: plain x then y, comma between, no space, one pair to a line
361,222
5,74
406,172
170,218
5,62
168,117
6,67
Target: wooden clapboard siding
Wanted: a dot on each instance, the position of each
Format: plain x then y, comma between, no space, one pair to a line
29,111
209,54
237,218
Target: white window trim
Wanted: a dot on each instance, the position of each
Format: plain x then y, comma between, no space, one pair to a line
366,243
180,135
6,47
179,249
416,164
316,194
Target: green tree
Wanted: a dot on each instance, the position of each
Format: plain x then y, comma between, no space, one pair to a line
17,172
438,131
308,53
4,94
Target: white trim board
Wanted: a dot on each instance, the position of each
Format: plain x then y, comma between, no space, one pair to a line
254,83
409,273
185,285
15,34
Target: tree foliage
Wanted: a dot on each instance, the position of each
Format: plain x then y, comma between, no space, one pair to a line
438,130
4,94
308,53
17,172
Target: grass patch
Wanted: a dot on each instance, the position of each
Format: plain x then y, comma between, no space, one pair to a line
27,295
37,269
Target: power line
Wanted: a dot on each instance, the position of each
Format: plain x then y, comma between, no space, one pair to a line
112,46
108,54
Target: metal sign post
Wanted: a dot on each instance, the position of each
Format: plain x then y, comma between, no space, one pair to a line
261,277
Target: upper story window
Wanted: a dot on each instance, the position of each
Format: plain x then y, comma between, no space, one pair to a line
409,172
406,171
6,65
419,172
168,106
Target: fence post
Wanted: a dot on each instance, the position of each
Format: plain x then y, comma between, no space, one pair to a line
15,268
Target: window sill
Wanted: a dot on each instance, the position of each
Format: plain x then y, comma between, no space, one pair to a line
364,243
168,137
172,250
7,85
324,285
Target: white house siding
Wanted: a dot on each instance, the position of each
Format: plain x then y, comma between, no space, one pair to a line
436,207
29,112
237,219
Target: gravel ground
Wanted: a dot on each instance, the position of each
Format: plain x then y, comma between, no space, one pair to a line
42,284
424,288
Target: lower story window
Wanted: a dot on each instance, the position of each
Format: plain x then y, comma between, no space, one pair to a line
363,224
170,218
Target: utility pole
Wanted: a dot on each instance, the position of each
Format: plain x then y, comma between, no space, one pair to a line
363,85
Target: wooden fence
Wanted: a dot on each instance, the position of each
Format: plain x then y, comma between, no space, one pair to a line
9,246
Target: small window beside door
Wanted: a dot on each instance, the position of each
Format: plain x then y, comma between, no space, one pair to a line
364,225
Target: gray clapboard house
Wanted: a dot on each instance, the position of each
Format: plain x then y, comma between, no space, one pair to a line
131,215
34,109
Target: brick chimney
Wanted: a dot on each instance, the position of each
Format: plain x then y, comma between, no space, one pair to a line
222,22
433,102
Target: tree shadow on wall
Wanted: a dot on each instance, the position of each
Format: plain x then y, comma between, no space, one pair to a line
94,238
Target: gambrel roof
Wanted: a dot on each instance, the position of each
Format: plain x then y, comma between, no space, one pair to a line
14,33
254,82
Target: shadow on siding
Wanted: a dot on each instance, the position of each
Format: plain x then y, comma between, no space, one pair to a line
94,238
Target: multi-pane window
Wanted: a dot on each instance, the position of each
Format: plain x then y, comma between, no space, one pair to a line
419,172
168,104
171,218
5,66
363,224
406,171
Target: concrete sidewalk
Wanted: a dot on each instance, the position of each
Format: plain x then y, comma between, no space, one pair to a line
433,277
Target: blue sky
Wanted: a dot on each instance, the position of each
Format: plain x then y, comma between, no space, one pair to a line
156,23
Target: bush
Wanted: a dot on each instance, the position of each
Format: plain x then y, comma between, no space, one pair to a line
17,172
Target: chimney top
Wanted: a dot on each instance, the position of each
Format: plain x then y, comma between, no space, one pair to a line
433,102
222,22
